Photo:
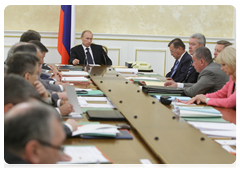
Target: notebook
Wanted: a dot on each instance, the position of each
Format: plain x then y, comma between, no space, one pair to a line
124,134
104,115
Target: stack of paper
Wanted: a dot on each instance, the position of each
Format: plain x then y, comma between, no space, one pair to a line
97,130
127,70
95,102
137,79
84,155
75,73
216,129
74,79
198,112
182,98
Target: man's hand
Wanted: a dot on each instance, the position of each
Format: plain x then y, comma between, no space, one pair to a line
73,123
170,84
66,109
40,89
198,99
64,157
75,62
57,77
53,68
62,95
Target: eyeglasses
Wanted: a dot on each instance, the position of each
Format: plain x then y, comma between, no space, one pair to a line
60,148
173,50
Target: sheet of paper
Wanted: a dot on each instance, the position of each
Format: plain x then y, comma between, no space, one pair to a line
74,79
73,115
226,142
75,73
213,126
211,133
83,102
84,154
72,98
126,70
228,148
78,89
152,83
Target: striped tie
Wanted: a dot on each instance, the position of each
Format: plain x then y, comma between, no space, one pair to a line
175,68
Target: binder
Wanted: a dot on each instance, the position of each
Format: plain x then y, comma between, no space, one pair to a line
104,115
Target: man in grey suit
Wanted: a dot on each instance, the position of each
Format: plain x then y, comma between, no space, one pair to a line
210,79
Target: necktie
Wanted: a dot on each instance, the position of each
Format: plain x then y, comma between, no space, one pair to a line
175,68
89,57
189,69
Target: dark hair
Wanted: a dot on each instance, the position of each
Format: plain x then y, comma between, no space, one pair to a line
203,53
224,42
30,35
17,90
177,42
32,123
21,63
42,47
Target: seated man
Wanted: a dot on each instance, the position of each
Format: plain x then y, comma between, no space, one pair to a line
88,53
210,79
220,46
33,134
27,66
183,59
22,91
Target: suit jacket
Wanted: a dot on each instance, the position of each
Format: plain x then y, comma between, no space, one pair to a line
48,86
11,158
182,68
192,77
68,132
211,79
77,52
224,97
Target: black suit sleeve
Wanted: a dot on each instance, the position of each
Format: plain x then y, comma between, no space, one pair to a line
67,131
73,55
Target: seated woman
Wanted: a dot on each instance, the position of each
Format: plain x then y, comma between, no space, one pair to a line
226,97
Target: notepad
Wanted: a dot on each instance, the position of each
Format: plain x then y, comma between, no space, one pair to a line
75,73
84,155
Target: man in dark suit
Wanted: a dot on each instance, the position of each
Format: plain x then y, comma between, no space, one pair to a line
210,79
183,59
88,53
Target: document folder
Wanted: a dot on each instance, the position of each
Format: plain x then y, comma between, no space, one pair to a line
104,115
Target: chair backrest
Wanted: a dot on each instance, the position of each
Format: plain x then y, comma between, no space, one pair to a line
105,49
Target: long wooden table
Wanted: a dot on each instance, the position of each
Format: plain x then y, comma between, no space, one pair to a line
158,135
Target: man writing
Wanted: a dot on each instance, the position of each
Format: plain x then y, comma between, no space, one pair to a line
88,53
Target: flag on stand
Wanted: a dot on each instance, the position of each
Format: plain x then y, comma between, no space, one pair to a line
66,34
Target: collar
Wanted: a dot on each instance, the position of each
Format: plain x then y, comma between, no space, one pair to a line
86,47
181,57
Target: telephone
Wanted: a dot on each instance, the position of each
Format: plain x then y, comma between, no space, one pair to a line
140,65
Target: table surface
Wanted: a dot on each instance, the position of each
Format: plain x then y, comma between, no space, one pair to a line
122,151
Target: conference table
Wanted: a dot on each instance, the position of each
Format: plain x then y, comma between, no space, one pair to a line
158,135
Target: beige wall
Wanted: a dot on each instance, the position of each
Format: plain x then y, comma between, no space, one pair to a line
212,21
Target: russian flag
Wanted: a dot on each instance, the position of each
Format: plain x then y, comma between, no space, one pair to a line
66,34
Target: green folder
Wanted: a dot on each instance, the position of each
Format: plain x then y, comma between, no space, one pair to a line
137,80
206,119
92,93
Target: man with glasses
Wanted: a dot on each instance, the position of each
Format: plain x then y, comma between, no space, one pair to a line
33,134
183,59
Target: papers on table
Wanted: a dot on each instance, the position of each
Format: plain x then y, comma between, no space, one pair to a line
84,155
73,115
184,111
226,142
75,73
96,102
97,130
213,126
127,70
79,89
75,79
182,98
153,83
221,134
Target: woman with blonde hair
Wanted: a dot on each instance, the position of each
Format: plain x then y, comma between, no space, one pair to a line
226,97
